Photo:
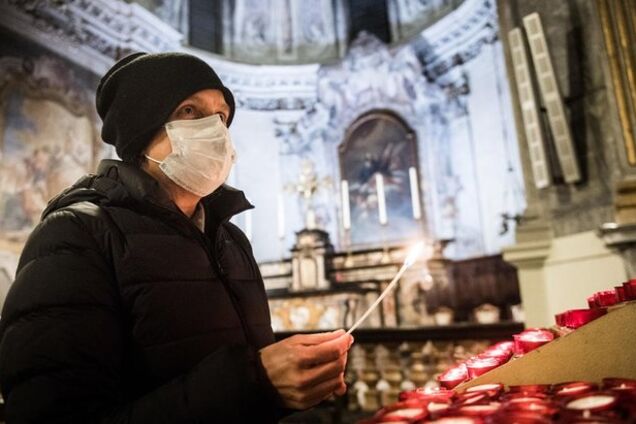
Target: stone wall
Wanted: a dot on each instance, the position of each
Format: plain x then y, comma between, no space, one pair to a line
579,58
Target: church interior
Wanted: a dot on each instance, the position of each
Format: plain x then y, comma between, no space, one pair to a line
496,137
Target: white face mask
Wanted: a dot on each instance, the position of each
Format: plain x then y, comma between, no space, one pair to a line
202,154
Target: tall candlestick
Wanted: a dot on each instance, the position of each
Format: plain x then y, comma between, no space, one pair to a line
379,184
346,211
248,225
281,216
415,193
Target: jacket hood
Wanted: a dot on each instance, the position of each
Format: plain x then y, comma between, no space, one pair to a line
117,183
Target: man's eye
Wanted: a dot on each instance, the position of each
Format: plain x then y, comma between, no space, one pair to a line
188,111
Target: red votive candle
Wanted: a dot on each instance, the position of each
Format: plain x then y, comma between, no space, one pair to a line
453,376
402,411
619,383
518,417
590,419
509,346
575,318
605,298
472,398
457,419
427,395
529,340
483,410
436,409
477,366
492,390
592,402
500,357
630,289
620,293
532,404
625,388
529,388
574,388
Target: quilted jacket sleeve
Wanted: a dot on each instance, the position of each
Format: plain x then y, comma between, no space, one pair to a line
63,341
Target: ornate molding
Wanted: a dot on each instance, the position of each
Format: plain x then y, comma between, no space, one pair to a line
457,38
265,87
91,33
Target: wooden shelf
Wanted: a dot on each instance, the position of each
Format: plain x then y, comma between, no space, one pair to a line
602,348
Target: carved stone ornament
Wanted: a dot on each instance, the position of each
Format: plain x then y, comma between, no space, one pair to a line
91,33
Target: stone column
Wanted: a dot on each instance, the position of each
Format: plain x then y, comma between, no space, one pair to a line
534,240
620,235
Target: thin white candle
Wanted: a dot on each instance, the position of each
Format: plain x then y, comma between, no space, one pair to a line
413,255
346,211
281,216
248,225
415,193
379,184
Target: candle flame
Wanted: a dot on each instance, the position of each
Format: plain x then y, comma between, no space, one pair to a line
414,253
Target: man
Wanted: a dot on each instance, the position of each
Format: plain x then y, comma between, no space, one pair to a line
135,300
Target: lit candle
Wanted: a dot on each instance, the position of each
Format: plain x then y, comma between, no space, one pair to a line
346,211
415,193
478,366
531,339
453,376
281,216
574,388
413,255
493,389
482,410
428,394
248,225
408,413
593,402
379,184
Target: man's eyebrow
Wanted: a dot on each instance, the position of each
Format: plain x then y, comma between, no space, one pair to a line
226,108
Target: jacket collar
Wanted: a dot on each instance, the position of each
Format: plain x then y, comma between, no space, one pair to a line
222,204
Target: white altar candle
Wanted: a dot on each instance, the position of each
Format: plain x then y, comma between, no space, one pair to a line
415,193
346,211
379,184
281,216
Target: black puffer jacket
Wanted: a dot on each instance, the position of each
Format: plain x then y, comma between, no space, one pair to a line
124,312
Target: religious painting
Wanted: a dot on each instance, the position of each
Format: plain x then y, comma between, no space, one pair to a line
47,142
378,159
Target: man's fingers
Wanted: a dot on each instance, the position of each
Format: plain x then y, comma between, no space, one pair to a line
321,392
317,338
323,372
341,390
325,352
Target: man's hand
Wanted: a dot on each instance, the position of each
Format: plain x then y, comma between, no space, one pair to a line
306,369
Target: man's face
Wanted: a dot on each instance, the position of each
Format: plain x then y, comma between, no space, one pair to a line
201,104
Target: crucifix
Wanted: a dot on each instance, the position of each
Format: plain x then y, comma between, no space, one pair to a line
307,186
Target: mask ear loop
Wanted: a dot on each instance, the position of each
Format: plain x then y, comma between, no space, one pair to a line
154,160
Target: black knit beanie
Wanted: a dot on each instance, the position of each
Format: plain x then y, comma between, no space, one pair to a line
138,94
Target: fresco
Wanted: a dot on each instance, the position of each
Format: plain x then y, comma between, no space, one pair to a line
43,151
